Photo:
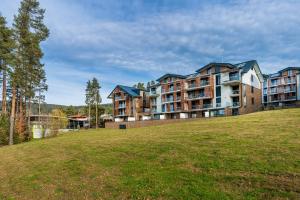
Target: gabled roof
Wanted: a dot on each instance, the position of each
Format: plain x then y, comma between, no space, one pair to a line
246,66
216,64
132,91
171,75
289,68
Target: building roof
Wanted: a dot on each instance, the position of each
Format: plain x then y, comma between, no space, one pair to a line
171,75
278,74
246,66
289,68
215,64
132,91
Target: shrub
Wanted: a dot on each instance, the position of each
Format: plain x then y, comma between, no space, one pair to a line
4,130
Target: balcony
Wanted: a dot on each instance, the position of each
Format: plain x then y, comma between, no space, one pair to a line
290,98
171,90
199,96
204,83
232,80
121,114
122,106
170,100
290,90
201,107
235,93
207,106
119,98
236,104
153,110
218,105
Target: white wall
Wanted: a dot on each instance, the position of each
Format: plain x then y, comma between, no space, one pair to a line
158,99
225,91
146,118
184,115
246,79
162,117
131,119
118,119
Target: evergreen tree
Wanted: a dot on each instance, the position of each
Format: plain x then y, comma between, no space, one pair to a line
7,45
29,31
96,98
88,99
140,86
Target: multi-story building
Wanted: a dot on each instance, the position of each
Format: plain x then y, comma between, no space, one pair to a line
173,96
224,89
282,88
129,104
216,89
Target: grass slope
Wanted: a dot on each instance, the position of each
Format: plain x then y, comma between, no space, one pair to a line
255,156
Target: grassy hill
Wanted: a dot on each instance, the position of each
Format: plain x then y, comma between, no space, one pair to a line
255,156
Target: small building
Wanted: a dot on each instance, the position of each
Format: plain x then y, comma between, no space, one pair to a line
78,121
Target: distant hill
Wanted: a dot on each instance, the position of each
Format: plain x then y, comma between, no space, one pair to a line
47,108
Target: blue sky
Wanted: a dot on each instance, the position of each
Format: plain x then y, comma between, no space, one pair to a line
129,41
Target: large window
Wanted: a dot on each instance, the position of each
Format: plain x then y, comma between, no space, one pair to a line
218,79
218,91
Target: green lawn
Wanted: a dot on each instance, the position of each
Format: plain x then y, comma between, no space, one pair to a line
255,156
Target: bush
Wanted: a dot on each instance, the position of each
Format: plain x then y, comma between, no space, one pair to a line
4,130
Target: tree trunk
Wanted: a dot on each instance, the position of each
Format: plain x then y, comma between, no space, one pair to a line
89,115
4,107
28,119
12,116
96,115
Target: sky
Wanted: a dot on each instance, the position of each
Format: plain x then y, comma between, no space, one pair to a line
130,41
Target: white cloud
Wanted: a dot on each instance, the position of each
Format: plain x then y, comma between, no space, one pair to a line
157,42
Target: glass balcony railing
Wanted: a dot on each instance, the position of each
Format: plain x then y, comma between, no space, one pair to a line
235,104
121,106
207,106
234,77
204,83
235,92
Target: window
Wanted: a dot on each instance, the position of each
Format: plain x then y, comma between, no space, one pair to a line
217,69
252,89
252,78
218,102
218,79
218,91
290,72
252,100
209,71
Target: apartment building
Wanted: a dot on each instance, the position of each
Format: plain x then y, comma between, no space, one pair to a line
217,89
173,96
282,88
129,104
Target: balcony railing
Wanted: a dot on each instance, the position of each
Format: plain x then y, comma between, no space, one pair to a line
236,104
198,96
204,83
118,98
289,90
218,105
192,85
235,92
121,106
207,106
234,77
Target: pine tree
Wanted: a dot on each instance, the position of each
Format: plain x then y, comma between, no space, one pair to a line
96,97
88,99
7,45
29,31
